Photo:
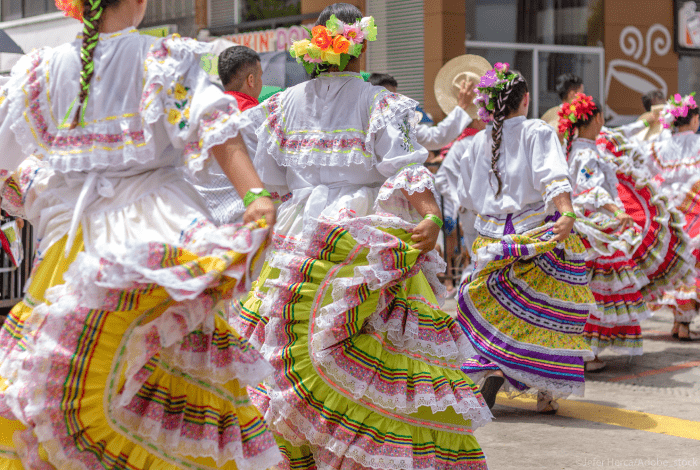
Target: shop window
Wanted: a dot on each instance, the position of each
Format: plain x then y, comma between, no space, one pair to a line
16,9
158,12
565,22
224,13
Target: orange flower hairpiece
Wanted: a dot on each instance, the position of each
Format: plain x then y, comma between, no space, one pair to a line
580,108
72,8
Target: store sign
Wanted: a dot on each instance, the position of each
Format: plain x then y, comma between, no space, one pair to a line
639,55
687,20
271,40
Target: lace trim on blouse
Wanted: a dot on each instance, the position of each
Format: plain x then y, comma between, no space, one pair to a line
342,147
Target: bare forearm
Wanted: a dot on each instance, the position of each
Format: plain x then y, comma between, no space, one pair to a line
424,203
563,203
611,207
233,158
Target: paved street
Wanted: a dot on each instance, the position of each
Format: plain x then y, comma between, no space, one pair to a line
643,414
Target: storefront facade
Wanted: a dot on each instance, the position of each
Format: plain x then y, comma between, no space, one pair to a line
621,48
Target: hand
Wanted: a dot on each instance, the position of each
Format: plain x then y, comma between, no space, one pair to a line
20,223
562,228
467,93
626,221
261,207
656,114
425,235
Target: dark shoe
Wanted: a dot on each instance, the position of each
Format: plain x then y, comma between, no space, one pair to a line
490,389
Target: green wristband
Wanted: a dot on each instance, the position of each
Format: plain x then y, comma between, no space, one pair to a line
434,218
618,212
569,214
255,194
646,123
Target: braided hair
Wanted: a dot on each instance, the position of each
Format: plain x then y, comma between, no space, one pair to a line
508,101
92,17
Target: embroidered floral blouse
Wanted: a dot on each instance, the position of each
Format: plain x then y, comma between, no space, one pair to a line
151,113
335,134
533,171
676,159
594,179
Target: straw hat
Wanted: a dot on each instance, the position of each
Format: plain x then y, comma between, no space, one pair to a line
450,77
655,126
551,117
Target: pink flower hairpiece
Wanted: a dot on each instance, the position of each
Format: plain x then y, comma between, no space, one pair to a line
677,106
491,84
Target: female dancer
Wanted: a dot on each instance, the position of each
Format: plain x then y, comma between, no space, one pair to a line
117,358
609,234
675,163
525,305
367,368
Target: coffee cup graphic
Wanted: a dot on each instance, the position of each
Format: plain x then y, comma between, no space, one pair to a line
631,80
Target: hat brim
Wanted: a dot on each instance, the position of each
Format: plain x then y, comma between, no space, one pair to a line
445,90
655,127
551,117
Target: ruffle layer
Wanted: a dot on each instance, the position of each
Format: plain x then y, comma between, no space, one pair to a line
319,148
169,369
412,179
172,67
665,254
100,145
329,322
524,308
175,86
625,338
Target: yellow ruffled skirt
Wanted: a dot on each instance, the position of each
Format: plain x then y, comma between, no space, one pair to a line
116,363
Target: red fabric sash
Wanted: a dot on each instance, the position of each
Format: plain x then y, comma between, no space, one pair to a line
244,101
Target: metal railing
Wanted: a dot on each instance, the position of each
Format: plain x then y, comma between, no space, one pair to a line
536,49
13,279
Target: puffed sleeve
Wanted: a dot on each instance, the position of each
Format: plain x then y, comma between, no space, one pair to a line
14,95
594,180
178,94
392,139
435,138
550,173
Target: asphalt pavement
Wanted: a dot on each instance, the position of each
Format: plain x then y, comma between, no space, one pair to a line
638,413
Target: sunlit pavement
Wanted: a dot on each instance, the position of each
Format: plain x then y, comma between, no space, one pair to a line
643,413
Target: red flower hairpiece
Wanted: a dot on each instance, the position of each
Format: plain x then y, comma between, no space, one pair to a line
579,109
72,8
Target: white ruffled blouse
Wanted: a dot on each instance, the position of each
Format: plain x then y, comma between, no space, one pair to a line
343,148
152,113
594,179
676,159
533,171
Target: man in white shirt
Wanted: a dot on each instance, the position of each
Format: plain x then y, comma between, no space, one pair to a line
436,137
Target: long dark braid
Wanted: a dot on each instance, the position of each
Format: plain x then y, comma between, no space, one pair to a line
92,16
504,103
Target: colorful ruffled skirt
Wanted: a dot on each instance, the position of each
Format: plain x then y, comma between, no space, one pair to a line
524,309
367,367
124,361
685,299
668,222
